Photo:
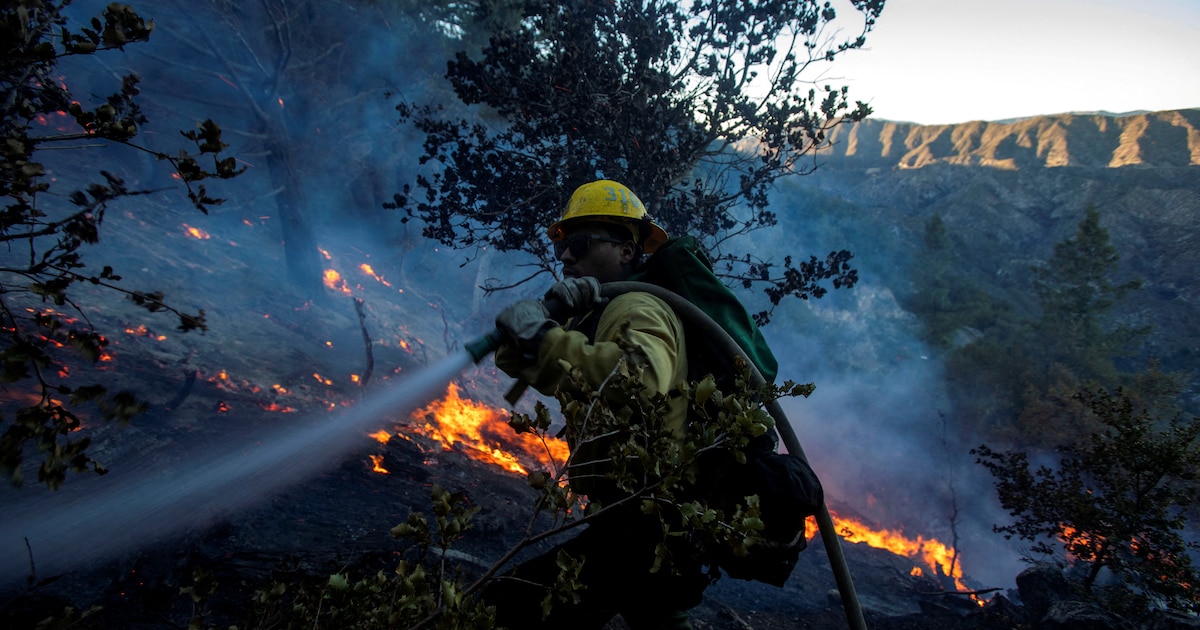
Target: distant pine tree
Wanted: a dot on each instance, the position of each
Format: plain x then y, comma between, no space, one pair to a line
1076,294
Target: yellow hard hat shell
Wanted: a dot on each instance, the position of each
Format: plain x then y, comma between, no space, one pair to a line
606,200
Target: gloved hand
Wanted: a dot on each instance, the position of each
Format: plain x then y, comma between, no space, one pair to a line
525,323
576,295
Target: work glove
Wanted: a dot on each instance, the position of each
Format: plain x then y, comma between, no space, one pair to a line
524,323
576,295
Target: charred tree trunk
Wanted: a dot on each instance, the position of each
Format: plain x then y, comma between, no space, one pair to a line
299,244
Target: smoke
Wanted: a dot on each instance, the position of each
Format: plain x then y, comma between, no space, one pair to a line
876,428
873,429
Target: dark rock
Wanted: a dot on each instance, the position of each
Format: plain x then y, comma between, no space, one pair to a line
1074,615
833,598
1041,586
1169,620
938,610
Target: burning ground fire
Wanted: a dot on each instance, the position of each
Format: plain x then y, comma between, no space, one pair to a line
482,433
335,281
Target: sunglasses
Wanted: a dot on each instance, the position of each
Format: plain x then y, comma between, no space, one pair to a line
579,244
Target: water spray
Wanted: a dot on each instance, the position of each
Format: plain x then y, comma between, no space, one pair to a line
99,519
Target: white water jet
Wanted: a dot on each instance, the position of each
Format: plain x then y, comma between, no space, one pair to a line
119,513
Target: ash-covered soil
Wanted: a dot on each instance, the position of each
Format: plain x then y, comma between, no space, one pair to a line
339,521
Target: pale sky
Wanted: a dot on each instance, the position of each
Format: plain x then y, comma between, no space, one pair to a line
951,61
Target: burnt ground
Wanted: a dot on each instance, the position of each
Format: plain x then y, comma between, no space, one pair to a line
340,521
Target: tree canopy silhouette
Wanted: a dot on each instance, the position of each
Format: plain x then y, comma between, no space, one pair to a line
697,108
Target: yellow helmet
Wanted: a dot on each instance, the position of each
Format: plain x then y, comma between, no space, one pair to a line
606,200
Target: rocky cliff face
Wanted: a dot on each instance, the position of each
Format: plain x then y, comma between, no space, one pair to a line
1008,192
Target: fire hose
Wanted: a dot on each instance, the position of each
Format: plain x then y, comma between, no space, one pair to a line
841,571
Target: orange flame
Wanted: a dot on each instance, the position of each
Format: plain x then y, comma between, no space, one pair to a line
377,464
935,555
370,271
1071,535
484,434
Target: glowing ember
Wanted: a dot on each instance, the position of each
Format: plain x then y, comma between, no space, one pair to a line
195,232
142,331
59,121
334,281
322,379
1072,536
484,434
367,269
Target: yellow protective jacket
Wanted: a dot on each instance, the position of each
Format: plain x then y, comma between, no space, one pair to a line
652,325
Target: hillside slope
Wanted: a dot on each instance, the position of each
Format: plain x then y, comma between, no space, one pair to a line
1008,192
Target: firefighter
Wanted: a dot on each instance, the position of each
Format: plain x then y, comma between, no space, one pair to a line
600,238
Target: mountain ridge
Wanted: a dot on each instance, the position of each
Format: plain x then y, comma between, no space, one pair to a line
1146,139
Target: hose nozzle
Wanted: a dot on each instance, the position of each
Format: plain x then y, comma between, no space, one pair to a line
483,346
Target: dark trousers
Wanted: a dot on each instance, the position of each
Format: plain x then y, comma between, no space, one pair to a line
618,554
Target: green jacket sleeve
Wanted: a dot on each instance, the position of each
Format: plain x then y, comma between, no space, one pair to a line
653,326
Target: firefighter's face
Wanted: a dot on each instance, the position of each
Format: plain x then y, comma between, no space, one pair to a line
592,249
